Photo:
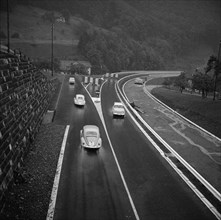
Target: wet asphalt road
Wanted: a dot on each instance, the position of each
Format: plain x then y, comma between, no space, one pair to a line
91,186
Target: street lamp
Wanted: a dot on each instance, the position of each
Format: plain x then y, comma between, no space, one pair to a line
60,19
52,49
219,52
216,72
8,32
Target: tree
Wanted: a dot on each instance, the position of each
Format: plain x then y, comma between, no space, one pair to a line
203,82
79,68
213,63
167,82
66,14
49,16
181,82
46,64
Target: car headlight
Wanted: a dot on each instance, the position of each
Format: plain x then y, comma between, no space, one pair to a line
99,142
83,142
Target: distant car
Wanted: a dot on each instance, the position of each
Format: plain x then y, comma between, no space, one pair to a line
71,80
118,109
139,81
79,100
90,137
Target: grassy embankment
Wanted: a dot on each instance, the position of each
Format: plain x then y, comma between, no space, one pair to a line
35,34
204,112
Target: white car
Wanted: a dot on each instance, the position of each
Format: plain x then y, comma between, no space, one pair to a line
90,137
71,80
79,100
118,109
139,81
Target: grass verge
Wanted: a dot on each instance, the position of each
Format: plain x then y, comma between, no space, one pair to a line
204,112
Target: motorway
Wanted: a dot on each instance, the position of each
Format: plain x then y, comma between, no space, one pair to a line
126,179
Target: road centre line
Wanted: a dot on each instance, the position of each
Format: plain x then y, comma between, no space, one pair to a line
51,209
115,158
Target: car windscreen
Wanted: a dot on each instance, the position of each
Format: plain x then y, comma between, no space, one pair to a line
118,106
91,134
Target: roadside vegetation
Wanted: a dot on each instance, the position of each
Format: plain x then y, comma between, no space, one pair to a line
204,112
206,80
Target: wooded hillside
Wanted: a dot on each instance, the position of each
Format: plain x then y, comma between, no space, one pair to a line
133,34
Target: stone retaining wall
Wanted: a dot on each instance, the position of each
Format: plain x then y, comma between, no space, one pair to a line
24,98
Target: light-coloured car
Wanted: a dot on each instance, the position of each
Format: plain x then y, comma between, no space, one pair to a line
118,109
79,100
71,80
139,81
90,137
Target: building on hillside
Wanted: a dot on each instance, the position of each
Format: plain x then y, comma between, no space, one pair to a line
65,65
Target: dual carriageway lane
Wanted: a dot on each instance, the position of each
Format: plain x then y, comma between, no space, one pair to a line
90,185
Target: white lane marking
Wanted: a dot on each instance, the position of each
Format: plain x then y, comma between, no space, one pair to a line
51,209
186,180
99,109
187,165
87,85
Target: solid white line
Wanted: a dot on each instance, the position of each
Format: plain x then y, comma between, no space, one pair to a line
115,158
194,189
54,192
87,85
122,177
188,166
186,180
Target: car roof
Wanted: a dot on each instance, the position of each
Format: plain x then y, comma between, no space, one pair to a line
79,95
118,103
91,128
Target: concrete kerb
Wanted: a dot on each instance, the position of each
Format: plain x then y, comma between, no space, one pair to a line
193,171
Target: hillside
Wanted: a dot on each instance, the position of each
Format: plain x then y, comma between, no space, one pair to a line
34,33
171,34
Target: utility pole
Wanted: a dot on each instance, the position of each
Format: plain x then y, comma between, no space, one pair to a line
219,52
60,19
52,49
8,32
217,68
0,26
